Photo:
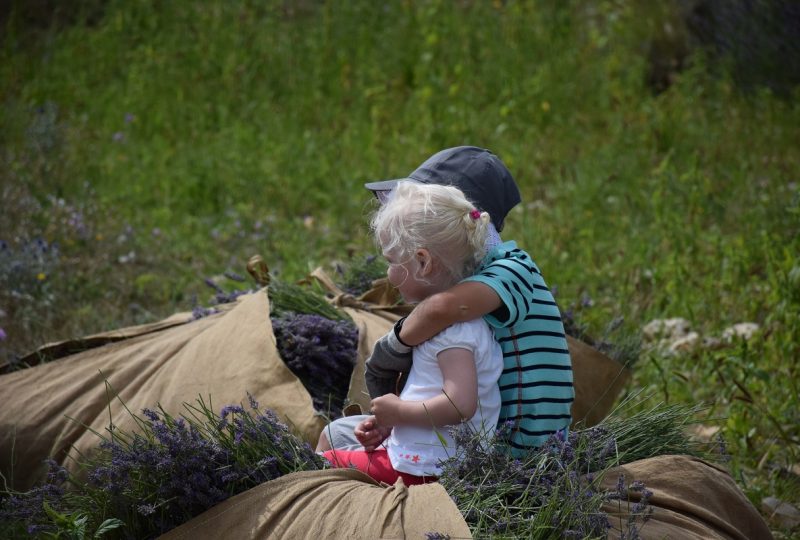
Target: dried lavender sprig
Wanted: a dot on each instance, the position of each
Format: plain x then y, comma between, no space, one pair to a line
658,430
289,297
634,516
178,467
284,298
234,276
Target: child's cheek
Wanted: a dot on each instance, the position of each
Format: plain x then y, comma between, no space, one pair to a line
396,275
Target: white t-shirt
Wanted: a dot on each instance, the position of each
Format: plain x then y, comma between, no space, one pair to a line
419,451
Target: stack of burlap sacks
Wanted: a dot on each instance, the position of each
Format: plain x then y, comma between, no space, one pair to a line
53,410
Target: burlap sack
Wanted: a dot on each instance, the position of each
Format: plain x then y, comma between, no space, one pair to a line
221,357
598,379
338,503
692,499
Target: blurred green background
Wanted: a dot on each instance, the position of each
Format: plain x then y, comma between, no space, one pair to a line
146,146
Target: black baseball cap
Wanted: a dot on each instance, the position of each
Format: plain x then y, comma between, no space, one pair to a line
477,172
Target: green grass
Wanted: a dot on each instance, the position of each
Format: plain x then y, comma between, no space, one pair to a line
195,136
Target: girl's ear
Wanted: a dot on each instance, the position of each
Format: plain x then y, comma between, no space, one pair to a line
425,262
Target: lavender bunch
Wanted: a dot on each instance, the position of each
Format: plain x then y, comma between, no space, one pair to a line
322,353
24,513
555,490
167,476
50,510
176,468
544,495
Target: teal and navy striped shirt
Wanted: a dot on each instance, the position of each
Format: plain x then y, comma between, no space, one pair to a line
536,383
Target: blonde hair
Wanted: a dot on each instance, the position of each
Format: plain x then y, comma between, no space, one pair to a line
437,218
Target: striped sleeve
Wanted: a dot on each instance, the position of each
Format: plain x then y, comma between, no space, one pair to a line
518,283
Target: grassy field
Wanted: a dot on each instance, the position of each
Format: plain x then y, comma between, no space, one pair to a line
147,146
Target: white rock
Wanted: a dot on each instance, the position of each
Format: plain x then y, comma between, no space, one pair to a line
745,330
685,344
653,329
670,329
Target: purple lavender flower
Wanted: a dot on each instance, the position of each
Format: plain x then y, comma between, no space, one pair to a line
321,352
26,510
252,401
230,409
146,509
198,312
636,486
177,467
234,276
150,415
621,491
211,283
223,297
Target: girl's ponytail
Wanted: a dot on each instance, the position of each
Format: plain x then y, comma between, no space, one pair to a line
477,224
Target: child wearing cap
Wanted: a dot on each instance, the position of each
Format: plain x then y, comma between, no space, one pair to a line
507,290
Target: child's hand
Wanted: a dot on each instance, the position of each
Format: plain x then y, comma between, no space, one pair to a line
387,410
370,434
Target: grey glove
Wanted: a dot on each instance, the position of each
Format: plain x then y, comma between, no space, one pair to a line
388,366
